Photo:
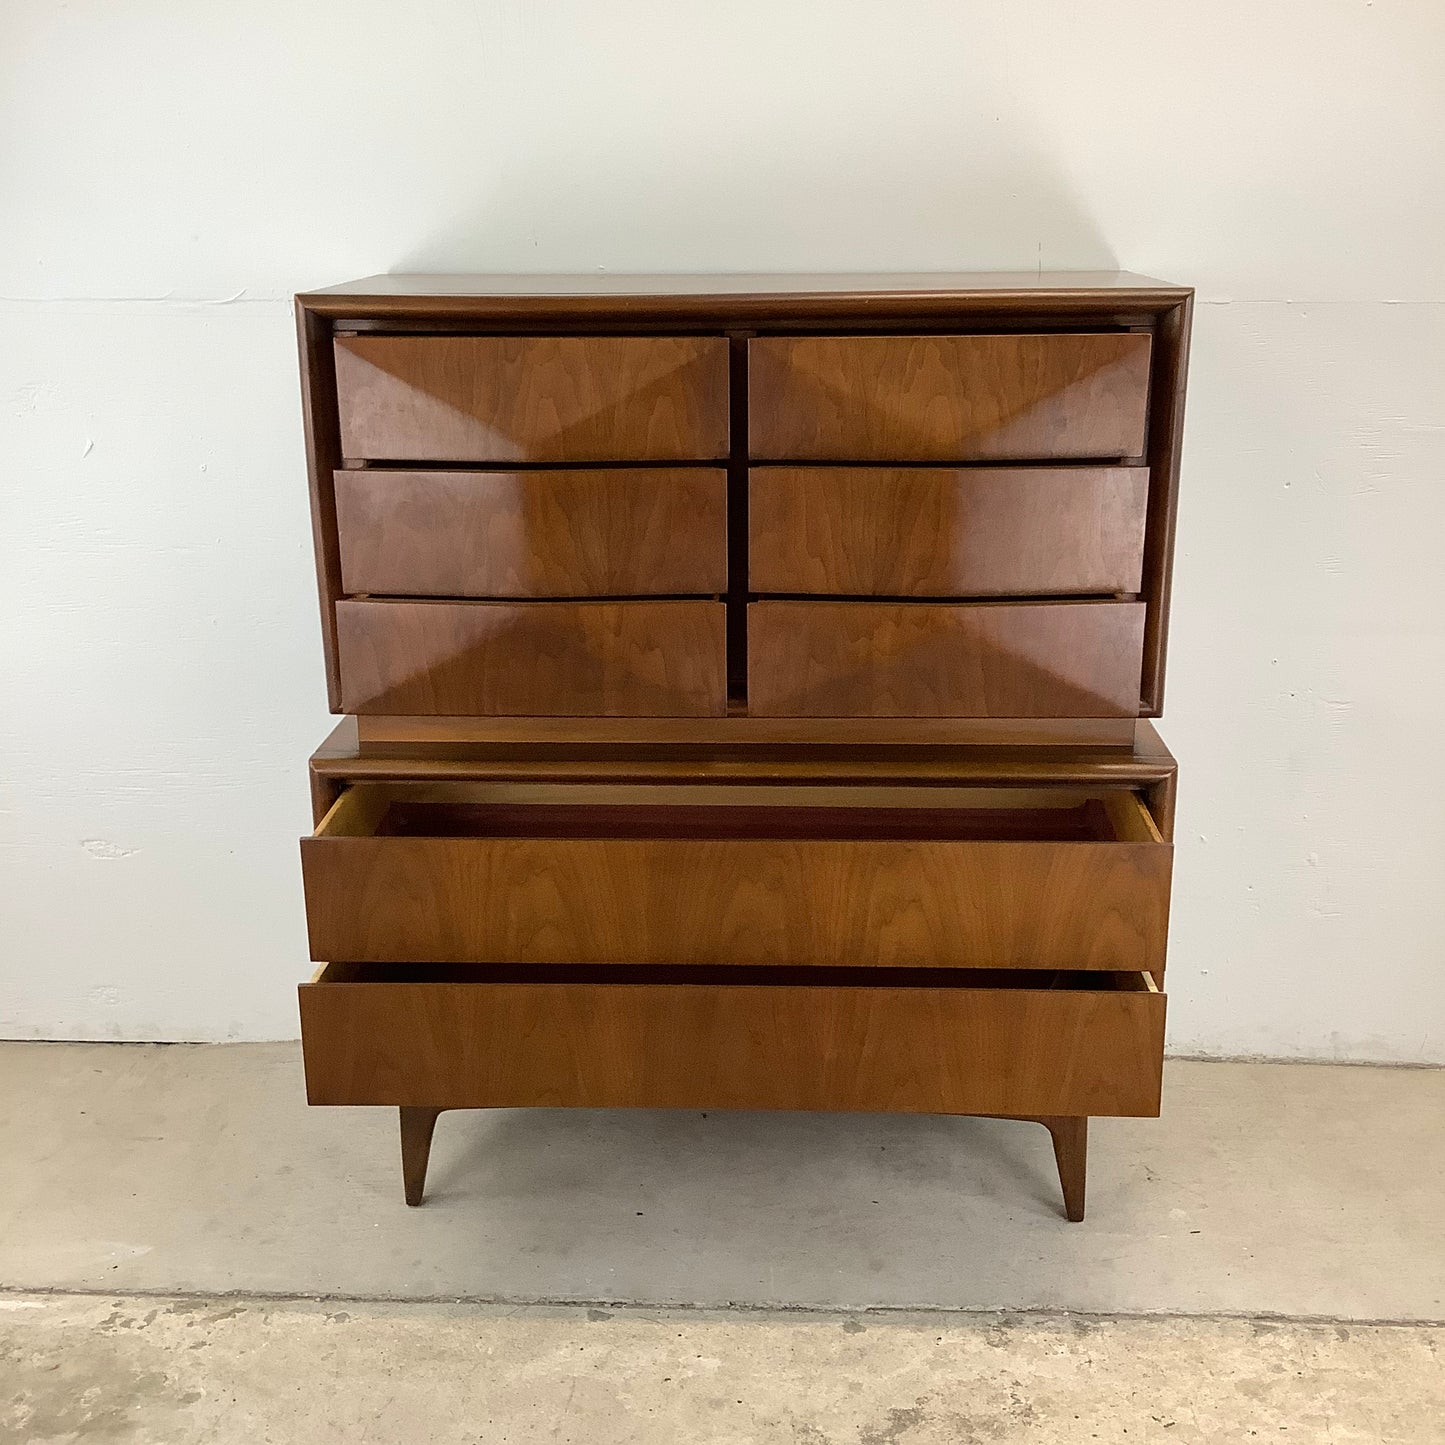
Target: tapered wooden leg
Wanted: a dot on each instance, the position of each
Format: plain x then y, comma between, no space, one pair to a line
416,1131
1070,1134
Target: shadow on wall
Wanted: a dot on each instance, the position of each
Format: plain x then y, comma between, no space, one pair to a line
883,204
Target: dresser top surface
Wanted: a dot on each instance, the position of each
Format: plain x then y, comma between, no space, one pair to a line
769,285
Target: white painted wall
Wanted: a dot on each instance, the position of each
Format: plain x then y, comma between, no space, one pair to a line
171,173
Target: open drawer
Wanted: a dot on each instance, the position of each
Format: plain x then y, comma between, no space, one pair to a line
1052,878
902,1040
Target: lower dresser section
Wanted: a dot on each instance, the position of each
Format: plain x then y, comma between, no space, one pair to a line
957,1041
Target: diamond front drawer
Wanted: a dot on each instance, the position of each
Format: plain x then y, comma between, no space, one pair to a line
532,398
606,531
724,875
948,398
642,658
918,1041
817,658
946,532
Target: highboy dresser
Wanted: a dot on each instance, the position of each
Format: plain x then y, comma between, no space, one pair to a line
747,683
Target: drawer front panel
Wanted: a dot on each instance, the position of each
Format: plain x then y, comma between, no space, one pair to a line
739,901
607,659
921,659
928,1050
948,398
930,532
533,398
605,532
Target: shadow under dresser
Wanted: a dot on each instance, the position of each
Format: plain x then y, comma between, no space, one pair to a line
747,686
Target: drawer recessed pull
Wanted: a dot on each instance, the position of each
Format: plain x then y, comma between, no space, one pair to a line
737,976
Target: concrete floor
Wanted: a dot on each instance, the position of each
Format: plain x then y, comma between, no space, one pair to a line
1290,1220
160,1371
1265,1189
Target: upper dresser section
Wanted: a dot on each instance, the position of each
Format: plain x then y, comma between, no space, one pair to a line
767,508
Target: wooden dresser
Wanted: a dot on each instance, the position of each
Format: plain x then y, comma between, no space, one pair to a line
747,684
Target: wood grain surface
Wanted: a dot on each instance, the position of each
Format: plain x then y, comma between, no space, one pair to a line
925,659
630,658
716,1046
935,532
798,901
601,532
948,398
533,398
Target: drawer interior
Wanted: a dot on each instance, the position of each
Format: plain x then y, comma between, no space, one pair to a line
738,976
459,810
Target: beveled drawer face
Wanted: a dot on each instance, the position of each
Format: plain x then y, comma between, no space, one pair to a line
729,875
533,398
948,398
612,531
926,659
946,532
439,1038
654,658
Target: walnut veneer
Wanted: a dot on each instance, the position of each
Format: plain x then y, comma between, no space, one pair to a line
747,682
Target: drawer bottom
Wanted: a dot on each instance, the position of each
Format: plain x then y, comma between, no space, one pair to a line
937,1041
